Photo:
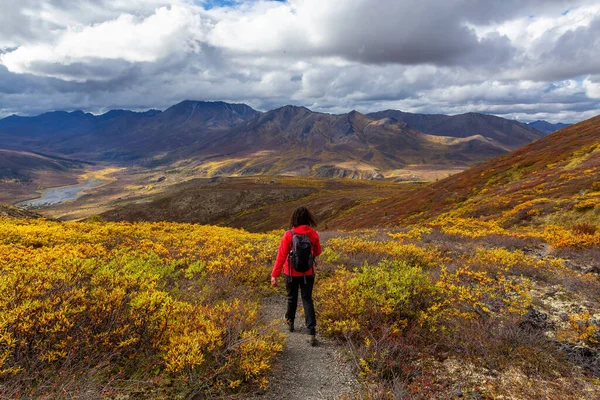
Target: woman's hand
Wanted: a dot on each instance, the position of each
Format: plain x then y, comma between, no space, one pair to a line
273,281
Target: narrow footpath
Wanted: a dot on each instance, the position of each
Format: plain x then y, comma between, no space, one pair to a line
303,372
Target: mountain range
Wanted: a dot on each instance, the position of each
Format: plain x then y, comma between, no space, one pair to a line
295,140
121,135
547,127
552,180
224,138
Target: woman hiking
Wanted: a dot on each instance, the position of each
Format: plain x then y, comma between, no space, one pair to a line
296,256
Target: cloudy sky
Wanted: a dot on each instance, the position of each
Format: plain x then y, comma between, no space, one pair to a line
524,59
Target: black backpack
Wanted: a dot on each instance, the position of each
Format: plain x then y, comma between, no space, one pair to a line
301,256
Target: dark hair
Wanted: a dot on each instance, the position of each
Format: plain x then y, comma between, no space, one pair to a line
302,216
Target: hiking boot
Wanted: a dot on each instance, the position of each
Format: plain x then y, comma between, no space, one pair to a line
290,325
312,340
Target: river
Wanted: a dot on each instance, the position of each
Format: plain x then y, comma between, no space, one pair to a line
60,194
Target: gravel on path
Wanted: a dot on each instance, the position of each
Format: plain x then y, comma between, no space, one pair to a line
303,372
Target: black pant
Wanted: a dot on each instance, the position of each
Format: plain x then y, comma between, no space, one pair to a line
307,301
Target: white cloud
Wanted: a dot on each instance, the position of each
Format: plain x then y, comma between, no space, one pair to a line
515,57
169,31
592,88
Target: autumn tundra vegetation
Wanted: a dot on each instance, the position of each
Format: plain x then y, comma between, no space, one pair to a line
483,285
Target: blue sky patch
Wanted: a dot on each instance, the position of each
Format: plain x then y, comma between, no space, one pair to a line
208,4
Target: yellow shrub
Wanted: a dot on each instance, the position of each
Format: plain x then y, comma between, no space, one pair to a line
331,256
391,293
527,206
587,204
410,253
581,328
559,236
415,233
469,227
160,297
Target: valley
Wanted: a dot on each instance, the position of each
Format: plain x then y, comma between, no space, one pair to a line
151,153
256,203
23,173
299,200
551,180
453,253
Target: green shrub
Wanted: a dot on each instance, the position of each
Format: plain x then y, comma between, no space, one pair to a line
392,293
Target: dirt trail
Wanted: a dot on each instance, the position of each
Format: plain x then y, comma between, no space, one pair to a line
304,372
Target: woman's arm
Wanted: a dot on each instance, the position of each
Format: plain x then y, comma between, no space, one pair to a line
284,249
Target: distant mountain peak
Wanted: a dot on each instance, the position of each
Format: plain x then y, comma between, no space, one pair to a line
288,111
292,107
115,113
547,127
355,114
210,105
205,115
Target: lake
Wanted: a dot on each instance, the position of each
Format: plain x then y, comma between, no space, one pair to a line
60,194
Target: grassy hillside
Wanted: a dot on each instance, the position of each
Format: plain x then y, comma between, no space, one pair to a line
554,180
169,310
23,167
258,204
551,182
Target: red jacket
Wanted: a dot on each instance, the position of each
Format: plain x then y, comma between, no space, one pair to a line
286,246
